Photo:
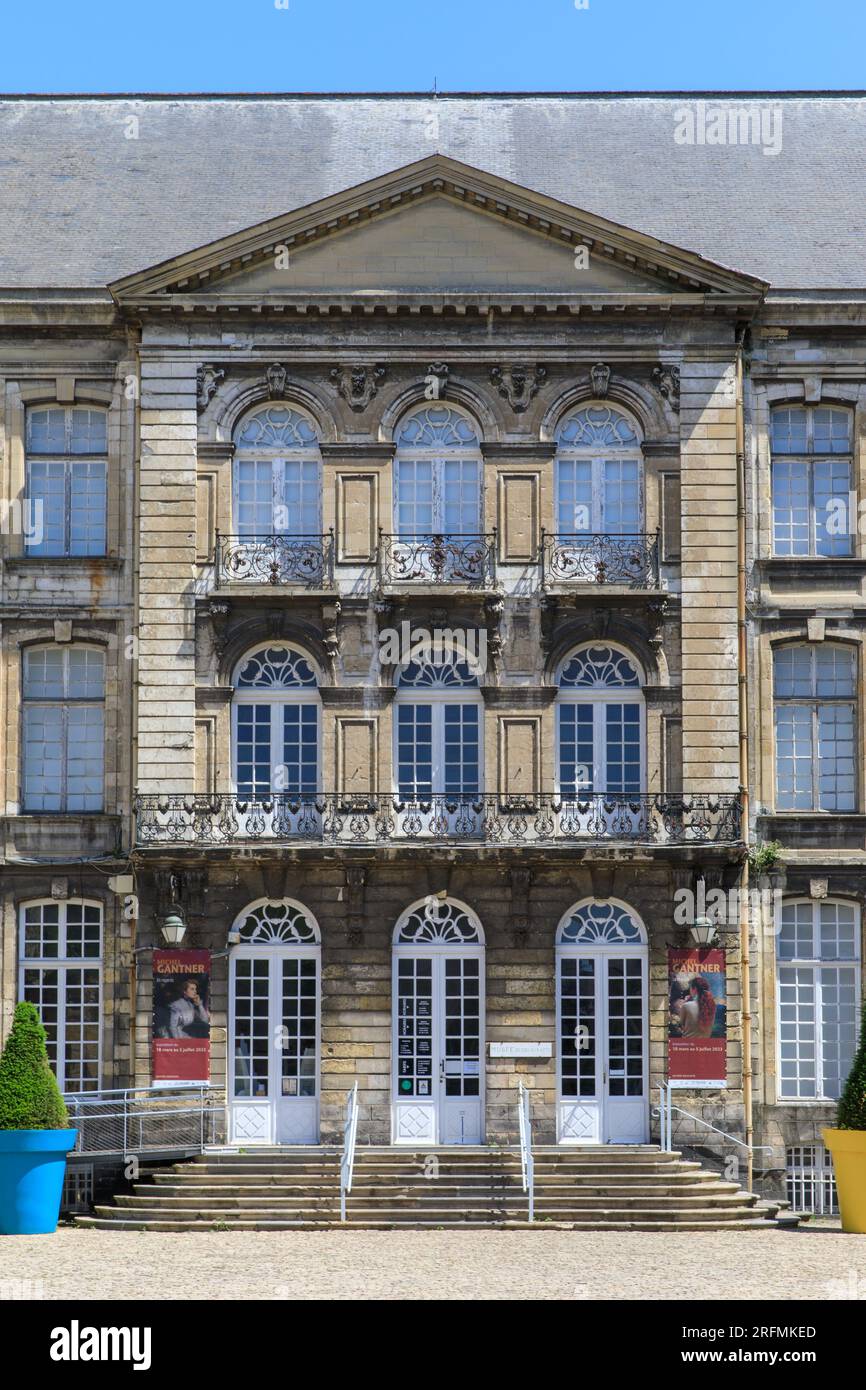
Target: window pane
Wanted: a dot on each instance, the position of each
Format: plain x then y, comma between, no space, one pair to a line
414,488
85,758
620,498
834,671
797,1035
838,1027
300,747
86,679
253,751
574,495
255,497
43,673
839,931
622,724
836,763
789,431
576,752
301,496
834,522
792,672
831,430
43,758
795,939
88,431
790,508
46,492
461,749
415,750
46,431
793,757
87,509
460,496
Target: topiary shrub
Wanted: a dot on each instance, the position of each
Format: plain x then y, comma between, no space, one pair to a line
29,1095
852,1105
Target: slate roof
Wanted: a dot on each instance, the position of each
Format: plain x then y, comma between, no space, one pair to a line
81,204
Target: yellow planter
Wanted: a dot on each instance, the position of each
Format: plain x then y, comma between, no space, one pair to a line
848,1147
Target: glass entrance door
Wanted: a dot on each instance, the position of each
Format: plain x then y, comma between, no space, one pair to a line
274,1047
602,1025
438,1047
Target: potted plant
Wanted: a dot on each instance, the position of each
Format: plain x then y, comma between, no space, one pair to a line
847,1143
34,1131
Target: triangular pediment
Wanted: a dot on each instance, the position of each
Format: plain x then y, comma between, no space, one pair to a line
436,228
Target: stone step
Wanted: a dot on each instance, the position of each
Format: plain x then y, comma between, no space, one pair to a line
544,1191
736,1218
412,1203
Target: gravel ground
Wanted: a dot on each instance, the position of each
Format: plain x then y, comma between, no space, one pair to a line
820,1263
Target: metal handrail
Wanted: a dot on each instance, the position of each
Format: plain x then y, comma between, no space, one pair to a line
666,1109
106,1120
527,1162
350,1134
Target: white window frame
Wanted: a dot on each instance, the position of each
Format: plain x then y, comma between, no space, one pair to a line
438,455
599,697
62,963
813,702
277,699
63,702
66,459
810,457
598,455
438,699
815,964
277,457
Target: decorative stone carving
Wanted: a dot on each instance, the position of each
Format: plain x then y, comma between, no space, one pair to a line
358,384
436,381
275,377
207,379
549,616
603,878
331,631
219,619
521,883
666,379
601,621
494,607
356,902
518,384
656,612
599,377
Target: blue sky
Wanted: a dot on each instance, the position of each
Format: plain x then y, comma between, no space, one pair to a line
404,45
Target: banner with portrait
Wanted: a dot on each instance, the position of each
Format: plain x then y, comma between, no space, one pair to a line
697,1016
181,1016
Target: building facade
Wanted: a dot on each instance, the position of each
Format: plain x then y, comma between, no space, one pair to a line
433,592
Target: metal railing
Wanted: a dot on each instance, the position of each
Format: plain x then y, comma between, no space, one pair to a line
350,1134
527,1162
146,1119
467,560
359,818
594,557
666,1113
276,559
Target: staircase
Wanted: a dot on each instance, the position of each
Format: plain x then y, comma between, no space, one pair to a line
620,1187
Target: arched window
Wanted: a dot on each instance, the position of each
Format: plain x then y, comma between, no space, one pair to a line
598,474
818,972
63,690
277,474
67,471
438,730
602,1023
811,480
60,972
815,703
600,723
276,723
274,1006
437,475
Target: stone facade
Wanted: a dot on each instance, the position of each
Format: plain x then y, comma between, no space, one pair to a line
448,285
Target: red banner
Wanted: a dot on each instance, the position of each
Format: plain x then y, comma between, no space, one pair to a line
697,1016
181,1015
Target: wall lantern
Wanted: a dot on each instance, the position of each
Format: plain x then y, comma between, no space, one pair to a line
173,929
703,931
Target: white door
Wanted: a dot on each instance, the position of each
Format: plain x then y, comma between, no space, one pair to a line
602,1028
438,1045
274,1046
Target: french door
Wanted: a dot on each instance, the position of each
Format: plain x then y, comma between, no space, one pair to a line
600,495
438,1046
437,496
602,1028
274,1046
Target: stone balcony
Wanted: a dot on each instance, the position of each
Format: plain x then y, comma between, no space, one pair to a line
334,819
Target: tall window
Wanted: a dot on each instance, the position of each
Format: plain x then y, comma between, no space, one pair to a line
437,475
600,723
60,963
63,728
811,479
815,704
818,955
277,474
276,723
438,719
67,471
598,473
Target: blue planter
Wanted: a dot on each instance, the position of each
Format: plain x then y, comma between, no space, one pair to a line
32,1164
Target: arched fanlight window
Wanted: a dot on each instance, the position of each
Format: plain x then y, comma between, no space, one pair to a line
599,468
815,707
276,722
437,474
442,922
600,722
438,730
271,923
600,924
277,474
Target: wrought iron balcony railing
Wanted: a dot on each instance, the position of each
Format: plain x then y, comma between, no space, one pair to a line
333,818
276,559
589,557
467,560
